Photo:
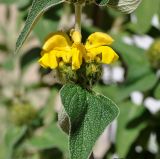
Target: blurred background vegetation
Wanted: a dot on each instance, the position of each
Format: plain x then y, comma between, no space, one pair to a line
29,99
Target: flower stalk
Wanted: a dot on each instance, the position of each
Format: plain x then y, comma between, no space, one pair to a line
78,12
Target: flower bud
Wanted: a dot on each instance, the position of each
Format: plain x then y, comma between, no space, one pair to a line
66,74
90,73
22,114
154,54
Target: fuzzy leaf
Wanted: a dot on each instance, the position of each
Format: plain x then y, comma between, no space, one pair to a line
89,115
37,10
125,6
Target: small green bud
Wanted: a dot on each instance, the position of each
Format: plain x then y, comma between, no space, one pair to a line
22,114
66,74
90,73
154,54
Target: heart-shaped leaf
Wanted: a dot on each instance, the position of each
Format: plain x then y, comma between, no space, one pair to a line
89,115
37,10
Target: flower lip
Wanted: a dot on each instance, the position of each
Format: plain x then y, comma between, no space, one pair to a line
98,39
57,41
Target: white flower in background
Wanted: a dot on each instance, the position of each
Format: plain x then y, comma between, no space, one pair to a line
117,74
152,144
155,21
137,97
138,149
152,105
128,40
64,25
143,41
86,21
113,74
133,18
106,76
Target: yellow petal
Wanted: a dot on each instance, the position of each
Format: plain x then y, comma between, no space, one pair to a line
48,60
57,41
105,53
108,54
76,36
77,53
90,55
52,60
65,55
98,39
44,60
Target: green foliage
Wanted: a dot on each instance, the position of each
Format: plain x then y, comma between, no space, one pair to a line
139,57
37,10
128,127
143,23
46,139
12,137
157,92
42,138
120,5
83,108
8,2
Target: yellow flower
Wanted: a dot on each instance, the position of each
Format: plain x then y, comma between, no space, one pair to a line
96,46
59,47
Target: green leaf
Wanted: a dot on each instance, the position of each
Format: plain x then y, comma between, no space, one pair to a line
9,63
12,137
125,6
129,126
134,58
51,136
158,12
119,93
83,108
3,47
37,10
8,2
29,57
157,92
143,23
48,25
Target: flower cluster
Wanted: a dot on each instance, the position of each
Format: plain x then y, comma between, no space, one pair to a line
60,49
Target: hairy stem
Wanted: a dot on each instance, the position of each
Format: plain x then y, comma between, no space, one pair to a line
78,11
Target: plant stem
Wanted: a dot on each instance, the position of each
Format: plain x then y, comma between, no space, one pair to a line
78,11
